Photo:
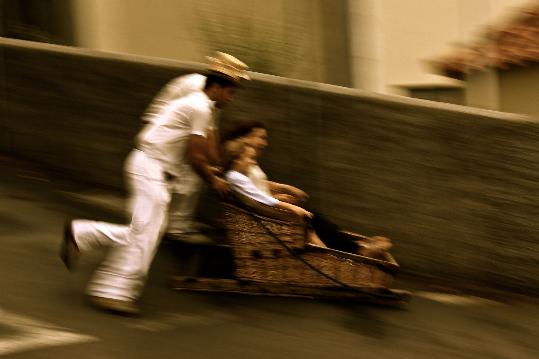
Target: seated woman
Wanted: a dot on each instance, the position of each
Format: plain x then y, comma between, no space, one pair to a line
239,157
255,134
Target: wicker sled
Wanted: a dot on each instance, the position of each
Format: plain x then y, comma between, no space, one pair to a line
271,257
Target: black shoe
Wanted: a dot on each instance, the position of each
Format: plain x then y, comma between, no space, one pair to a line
69,252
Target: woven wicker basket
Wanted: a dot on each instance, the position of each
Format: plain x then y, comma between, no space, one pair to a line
260,257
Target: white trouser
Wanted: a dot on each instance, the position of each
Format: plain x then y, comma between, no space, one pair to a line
186,191
181,212
123,273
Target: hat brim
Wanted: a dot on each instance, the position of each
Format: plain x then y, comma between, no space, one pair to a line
229,70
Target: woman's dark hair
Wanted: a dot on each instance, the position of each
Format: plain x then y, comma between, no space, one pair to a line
233,150
218,79
242,129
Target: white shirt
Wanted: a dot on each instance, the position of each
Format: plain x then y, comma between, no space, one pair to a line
243,185
259,179
165,139
176,88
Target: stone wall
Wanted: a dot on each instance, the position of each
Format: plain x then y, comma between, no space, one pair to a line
454,187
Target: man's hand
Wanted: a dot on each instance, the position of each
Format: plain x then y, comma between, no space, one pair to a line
216,170
220,186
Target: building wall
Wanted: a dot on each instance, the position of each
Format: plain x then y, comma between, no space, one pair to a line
519,90
37,20
408,43
415,31
368,44
303,39
483,89
454,187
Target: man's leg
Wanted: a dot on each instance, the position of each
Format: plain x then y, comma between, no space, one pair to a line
182,227
122,275
181,213
92,234
186,193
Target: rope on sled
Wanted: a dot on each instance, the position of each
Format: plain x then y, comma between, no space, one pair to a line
331,278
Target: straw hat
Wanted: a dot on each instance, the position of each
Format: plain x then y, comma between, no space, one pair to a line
229,66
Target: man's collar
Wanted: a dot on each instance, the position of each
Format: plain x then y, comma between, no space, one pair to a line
210,101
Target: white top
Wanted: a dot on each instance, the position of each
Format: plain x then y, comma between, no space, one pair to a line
243,185
259,179
165,139
176,88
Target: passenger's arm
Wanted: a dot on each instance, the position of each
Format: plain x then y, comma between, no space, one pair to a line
299,211
288,189
243,185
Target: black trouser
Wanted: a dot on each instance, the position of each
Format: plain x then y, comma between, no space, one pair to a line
331,234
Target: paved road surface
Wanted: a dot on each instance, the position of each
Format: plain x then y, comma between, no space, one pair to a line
43,315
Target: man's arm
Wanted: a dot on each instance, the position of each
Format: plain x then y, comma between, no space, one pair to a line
197,156
213,148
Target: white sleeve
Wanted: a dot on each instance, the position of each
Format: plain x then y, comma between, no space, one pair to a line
201,121
165,96
243,185
182,86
